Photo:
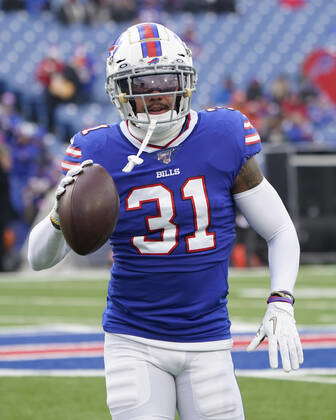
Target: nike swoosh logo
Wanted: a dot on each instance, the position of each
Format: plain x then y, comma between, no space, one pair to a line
274,321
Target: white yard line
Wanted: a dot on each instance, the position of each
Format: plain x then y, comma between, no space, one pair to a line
46,276
66,273
47,329
322,270
302,375
320,305
49,301
305,375
17,319
51,372
300,293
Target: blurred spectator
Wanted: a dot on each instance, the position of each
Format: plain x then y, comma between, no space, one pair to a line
217,6
124,10
293,104
62,84
174,6
8,115
291,111
102,10
28,181
239,101
10,5
89,11
272,130
320,111
25,178
6,211
297,128
49,66
280,88
25,151
224,94
84,66
254,90
76,11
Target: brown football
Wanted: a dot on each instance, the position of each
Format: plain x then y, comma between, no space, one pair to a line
89,210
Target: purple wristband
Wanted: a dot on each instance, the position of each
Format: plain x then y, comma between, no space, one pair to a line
279,299
281,296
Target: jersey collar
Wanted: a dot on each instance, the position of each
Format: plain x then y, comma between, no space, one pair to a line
188,126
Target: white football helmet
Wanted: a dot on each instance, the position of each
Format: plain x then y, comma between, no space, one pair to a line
145,60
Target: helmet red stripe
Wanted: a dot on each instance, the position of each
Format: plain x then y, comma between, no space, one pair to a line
149,48
148,31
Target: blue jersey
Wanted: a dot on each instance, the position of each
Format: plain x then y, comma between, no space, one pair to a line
176,227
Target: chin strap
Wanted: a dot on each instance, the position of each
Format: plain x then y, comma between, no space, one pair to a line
136,159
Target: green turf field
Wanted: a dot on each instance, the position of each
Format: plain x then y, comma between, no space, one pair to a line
50,298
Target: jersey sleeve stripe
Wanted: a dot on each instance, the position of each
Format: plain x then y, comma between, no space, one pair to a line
66,165
248,125
252,139
73,152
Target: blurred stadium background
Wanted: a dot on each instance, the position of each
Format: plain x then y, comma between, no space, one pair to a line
275,60
272,59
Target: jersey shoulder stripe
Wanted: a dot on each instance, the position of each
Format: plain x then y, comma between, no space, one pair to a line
81,142
251,134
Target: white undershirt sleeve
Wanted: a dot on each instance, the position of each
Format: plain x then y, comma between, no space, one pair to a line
267,215
46,246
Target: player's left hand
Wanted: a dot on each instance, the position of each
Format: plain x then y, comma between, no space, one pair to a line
278,325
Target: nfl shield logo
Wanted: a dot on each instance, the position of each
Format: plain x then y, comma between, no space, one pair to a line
165,155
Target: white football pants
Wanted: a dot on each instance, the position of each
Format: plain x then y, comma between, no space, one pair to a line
148,383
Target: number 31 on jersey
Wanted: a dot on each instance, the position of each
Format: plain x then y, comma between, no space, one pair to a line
193,189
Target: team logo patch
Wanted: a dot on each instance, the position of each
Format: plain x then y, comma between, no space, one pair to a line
165,156
154,60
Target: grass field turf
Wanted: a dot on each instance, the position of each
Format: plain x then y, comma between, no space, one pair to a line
51,298
46,398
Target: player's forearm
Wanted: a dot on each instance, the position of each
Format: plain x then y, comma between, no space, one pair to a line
46,246
284,256
268,216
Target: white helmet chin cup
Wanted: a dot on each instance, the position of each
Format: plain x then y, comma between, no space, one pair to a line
149,49
164,121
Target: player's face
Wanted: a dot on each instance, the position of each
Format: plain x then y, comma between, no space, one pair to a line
155,84
157,104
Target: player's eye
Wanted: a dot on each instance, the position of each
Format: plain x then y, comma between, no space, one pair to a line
155,83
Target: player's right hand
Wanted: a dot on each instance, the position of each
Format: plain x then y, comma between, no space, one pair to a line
60,190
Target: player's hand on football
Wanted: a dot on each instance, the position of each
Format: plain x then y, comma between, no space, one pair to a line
278,325
60,190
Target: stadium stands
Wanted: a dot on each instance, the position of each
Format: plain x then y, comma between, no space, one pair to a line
260,41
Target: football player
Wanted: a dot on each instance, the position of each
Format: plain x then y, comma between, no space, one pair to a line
180,176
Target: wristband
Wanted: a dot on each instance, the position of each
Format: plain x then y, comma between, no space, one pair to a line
281,296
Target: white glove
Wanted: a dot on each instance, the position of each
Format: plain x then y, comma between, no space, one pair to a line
278,325
67,180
